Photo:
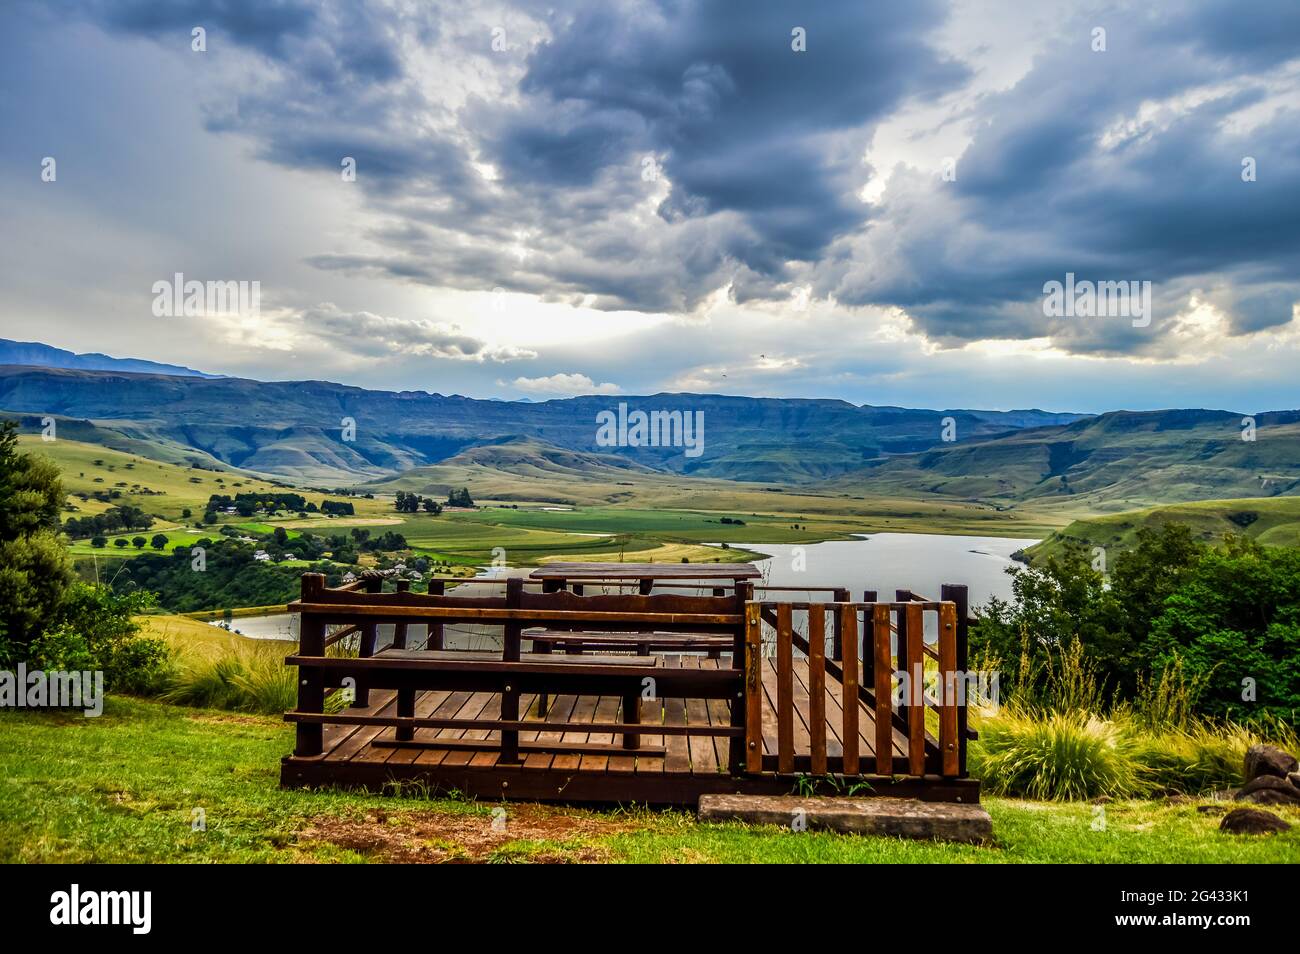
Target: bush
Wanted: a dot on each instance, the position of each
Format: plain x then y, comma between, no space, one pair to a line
99,633
1178,630
252,679
1055,756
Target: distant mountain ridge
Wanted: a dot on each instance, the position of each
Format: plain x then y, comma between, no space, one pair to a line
296,428
1119,460
35,354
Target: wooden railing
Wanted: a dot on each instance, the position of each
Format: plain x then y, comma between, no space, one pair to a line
361,609
846,655
864,647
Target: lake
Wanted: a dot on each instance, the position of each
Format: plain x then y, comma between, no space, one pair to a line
884,562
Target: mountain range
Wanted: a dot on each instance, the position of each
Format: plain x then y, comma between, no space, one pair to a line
301,428
45,356
334,434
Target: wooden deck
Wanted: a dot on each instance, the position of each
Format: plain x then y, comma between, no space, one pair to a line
591,767
655,698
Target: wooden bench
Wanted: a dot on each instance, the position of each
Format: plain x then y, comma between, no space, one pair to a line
405,669
642,644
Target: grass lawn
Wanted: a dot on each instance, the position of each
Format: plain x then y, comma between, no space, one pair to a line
126,787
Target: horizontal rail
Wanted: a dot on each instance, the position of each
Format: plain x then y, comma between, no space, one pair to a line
521,725
926,605
489,614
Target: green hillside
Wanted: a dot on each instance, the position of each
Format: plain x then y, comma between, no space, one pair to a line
1271,521
1115,462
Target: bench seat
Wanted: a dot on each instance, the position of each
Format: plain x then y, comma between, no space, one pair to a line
641,643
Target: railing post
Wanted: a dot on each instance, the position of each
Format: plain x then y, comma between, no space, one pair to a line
434,640
837,636
884,691
948,754
747,709
399,629
737,755
311,682
785,689
916,685
369,636
868,640
960,595
509,691
717,591
901,599
848,615
817,687
405,697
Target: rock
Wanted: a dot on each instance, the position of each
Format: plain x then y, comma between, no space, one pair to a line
1252,821
890,817
1269,760
1294,779
1215,809
1271,796
1269,790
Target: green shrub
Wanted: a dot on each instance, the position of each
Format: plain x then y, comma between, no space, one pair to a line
1055,756
252,679
1193,760
99,632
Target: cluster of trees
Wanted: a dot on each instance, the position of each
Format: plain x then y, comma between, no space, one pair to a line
113,520
229,577
412,503
460,498
48,618
1226,619
158,541
248,504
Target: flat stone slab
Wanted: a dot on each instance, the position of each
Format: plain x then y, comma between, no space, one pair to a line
890,817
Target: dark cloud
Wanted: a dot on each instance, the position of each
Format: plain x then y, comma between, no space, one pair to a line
525,168
1116,165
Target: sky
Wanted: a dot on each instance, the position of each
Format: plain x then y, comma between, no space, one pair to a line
865,201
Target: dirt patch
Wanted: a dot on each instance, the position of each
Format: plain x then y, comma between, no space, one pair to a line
229,718
436,837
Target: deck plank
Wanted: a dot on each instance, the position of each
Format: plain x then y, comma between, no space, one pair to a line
606,711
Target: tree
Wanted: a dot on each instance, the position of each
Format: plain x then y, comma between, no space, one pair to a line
187,513
432,506
1055,604
1233,624
99,542
138,542
120,542
158,541
460,498
34,566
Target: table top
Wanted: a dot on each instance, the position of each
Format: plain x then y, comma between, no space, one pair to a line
645,571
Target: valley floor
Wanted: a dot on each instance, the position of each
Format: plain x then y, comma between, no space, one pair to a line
149,782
